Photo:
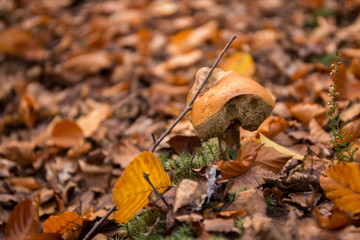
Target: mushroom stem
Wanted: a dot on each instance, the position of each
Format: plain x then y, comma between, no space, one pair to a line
230,139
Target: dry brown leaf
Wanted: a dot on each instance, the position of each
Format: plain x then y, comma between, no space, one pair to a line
227,214
29,109
189,39
273,125
341,186
184,144
23,221
220,225
27,182
184,193
271,159
353,129
90,123
307,111
65,133
317,133
66,224
337,219
19,152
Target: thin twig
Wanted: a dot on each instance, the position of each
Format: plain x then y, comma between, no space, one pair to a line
188,107
159,195
153,228
97,224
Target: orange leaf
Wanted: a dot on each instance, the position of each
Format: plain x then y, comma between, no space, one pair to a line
246,156
65,133
271,159
273,125
27,182
341,186
44,236
337,219
67,223
353,129
28,109
23,221
131,190
304,112
241,62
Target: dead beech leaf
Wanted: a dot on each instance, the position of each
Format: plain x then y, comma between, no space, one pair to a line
317,133
190,38
90,123
304,112
65,133
23,221
272,159
19,152
341,186
228,214
273,125
241,62
353,129
336,220
220,225
88,63
279,148
13,40
184,193
246,156
26,182
67,223
131,190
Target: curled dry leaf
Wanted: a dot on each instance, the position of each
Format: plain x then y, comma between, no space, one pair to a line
19,152
337,219
23,221
185,193
341,186
66,224
65,133
241,62
246,156
273,125
131,190
304,112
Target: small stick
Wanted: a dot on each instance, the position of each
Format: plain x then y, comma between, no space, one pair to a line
188,107
153,137
146,176
97,224
153,228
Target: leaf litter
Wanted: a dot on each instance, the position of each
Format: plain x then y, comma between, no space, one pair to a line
85,85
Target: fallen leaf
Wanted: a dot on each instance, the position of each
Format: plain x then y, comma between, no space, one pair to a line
67,223
220,225
251,200
19,152
90,123
273,125
341,186
65,134
271,159
317,133
241,62
335,220
353,129
304,112
23,221
184,194
13,40
26,182
227,214
268,143
28,109
131,190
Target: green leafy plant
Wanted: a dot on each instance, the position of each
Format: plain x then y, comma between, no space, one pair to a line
271,202
181,165
340,140
239,223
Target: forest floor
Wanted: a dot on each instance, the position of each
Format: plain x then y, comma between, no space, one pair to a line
87,85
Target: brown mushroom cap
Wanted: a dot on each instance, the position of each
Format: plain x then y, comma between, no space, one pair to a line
226,98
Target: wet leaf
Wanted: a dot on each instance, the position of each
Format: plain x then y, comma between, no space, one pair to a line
279,148
131,190
341,186
241,62
23,221
67,223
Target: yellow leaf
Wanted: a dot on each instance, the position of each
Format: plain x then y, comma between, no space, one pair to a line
131,190
278,147
240,62
341,186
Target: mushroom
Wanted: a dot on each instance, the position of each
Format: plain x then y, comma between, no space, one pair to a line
227,100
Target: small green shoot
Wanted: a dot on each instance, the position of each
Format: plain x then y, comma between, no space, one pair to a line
240,224
271,202
231,196
339,141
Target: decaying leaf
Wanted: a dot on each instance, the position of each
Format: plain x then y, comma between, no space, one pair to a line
27,182
184,193
317,133
23,221
131,190
341,186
